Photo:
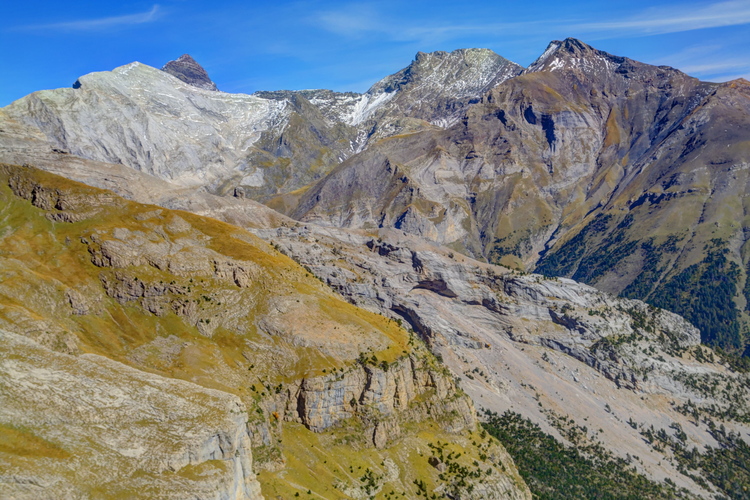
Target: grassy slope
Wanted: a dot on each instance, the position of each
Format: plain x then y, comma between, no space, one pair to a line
317,333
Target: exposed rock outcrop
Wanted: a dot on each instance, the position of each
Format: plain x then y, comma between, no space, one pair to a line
128,432
177,296
526,342
382,394
186,69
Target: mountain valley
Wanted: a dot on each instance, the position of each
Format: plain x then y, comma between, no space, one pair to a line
313,293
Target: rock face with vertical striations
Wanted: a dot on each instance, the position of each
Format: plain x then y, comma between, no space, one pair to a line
186,69
626,176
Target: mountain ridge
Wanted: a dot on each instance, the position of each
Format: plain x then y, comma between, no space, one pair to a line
623,175
583,140
578,128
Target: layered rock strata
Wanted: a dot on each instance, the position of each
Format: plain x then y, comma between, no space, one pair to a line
80,426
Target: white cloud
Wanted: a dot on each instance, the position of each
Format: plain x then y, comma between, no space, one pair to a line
362,19
99,24
353,20
714,67
729,77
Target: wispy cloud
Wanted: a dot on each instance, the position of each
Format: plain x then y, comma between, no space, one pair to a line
674,19
99,24
714,62
353,20
359,20
730,76
709,68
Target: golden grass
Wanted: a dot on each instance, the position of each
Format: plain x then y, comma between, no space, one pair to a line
51,258
341,455
21,442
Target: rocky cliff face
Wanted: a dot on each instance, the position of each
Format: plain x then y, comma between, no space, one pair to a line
148,120
407,390
438,87
129,432
524,137
258,146
588,165
186,69
548,348
176,296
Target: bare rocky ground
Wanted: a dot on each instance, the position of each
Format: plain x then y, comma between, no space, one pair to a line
80,425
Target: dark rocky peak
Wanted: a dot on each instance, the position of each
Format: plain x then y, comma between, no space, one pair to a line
186,69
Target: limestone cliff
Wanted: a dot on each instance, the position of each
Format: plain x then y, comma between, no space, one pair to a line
169,297
83,426
548,348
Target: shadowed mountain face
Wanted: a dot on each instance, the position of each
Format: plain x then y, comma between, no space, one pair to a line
614,172
189,71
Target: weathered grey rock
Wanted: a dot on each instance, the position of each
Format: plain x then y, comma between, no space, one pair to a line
95,425
149,121
380,393
180,130
504,325
78,301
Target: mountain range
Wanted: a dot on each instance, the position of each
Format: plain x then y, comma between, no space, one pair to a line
343,278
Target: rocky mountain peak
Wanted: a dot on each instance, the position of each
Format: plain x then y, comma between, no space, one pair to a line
468,69
575,57
571,54
189,71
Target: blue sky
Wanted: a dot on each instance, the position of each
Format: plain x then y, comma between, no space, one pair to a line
249,46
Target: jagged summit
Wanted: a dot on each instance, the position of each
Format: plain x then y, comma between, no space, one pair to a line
436,87
576,57
461,71
573,54
189,71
